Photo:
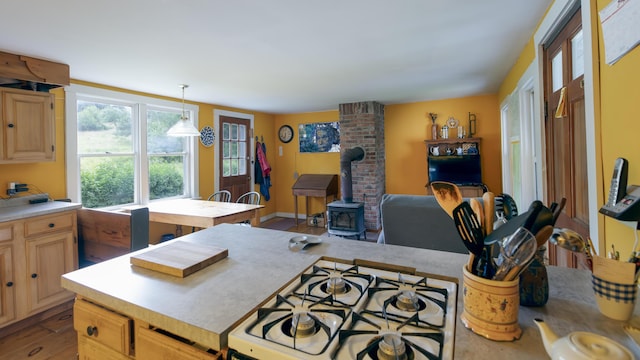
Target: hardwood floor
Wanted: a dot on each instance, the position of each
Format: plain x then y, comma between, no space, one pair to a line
54,338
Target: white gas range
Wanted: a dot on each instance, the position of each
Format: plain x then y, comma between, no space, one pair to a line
336,310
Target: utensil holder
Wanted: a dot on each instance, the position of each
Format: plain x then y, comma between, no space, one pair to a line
614,287
491,307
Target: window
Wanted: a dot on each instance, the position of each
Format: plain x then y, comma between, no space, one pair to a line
118,152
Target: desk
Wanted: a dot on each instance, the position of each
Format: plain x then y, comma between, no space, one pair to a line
202,213
318,185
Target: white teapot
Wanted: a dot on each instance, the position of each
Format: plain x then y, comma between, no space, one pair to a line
580,345
435,150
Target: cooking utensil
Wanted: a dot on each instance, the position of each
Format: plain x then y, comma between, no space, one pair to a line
516,252
447,195
558,210
526,220
302,242
508,206
543,235
469,230
568,239
479,212
488,201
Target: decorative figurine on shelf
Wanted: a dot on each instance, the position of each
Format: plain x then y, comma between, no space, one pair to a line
434,126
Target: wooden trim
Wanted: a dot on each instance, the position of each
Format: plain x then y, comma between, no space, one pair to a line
26,68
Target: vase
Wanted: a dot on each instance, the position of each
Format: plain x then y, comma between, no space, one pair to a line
434,131
534,283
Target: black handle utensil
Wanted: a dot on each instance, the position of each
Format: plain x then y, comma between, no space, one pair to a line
470,231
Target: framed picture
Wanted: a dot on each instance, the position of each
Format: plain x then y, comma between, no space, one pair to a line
319,137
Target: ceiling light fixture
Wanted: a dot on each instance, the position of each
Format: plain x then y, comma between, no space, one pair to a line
183,127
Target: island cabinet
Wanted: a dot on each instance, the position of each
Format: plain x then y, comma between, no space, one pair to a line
34,253
28,126
106,334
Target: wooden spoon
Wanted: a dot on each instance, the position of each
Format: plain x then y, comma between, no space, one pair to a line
544,234
447,195
488,199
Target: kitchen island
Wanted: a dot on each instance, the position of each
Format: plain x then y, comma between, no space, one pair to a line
205,306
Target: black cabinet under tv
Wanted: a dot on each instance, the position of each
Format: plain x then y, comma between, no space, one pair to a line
456,161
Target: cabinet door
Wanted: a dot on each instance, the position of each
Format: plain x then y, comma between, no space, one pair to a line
89,349
7,292
152,345
48,258
28,123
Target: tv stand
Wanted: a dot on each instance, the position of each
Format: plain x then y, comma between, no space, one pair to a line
445,162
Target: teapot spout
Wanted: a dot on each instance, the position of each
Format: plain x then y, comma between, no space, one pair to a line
548,336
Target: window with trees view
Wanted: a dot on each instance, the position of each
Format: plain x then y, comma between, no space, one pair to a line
118,151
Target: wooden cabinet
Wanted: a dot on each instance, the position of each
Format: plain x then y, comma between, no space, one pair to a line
7,280
27,126
34,254
456,161
106,334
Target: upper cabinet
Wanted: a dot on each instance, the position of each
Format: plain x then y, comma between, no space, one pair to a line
28,126
27,122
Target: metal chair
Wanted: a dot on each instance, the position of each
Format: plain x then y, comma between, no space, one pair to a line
222,196
251,198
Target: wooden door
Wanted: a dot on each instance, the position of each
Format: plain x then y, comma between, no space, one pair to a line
7,284
235,156
565,133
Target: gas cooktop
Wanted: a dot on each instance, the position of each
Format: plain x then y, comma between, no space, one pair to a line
337,310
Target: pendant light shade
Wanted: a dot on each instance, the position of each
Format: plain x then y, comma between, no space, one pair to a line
183,127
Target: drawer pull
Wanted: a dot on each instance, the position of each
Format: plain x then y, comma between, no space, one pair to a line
10,284
34,275
10,125
52,225
92,330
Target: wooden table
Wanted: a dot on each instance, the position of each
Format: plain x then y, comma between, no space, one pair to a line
202,213
319,185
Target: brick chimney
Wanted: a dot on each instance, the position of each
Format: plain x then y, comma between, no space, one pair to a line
362,124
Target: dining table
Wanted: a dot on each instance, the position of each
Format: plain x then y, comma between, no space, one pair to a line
202,213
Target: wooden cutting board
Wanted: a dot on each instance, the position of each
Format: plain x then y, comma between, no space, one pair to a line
180,258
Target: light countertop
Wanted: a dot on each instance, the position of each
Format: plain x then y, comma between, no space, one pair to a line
206,305
19,208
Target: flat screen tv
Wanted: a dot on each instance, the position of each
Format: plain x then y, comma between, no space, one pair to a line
461,170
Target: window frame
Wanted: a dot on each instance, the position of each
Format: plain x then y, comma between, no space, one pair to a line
140,104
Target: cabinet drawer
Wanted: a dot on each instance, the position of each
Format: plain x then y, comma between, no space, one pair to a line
49,224
89,349
6,232
152,344
102,325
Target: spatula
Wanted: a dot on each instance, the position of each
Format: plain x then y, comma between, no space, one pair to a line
447,195
479,212
469,230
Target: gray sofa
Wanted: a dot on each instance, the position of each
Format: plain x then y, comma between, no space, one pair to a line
418,221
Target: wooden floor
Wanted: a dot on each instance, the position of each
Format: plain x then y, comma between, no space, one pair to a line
54,338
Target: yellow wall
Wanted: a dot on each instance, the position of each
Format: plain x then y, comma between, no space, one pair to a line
406,127
616,126
619,95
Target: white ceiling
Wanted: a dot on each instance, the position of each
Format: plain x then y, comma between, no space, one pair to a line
279,56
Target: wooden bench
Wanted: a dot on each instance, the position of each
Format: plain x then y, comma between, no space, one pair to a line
107,234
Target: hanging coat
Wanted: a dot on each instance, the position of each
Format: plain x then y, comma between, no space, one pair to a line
262,170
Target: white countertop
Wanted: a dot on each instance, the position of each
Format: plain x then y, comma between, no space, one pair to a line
19,208
206,305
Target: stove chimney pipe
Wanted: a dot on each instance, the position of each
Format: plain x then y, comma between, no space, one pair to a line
346,184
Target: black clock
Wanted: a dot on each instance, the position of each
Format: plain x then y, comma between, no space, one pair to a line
285,133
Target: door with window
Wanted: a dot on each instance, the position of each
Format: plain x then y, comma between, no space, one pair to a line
234,155
565,133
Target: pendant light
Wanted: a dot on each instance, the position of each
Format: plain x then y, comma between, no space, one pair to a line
183,127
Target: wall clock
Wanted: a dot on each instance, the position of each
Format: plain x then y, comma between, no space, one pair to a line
285,133
207,136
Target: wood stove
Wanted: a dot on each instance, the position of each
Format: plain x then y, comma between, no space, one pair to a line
346,219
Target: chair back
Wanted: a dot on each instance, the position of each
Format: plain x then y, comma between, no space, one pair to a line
222,196
251,198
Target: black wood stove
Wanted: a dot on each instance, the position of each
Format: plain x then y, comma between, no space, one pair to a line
346,218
